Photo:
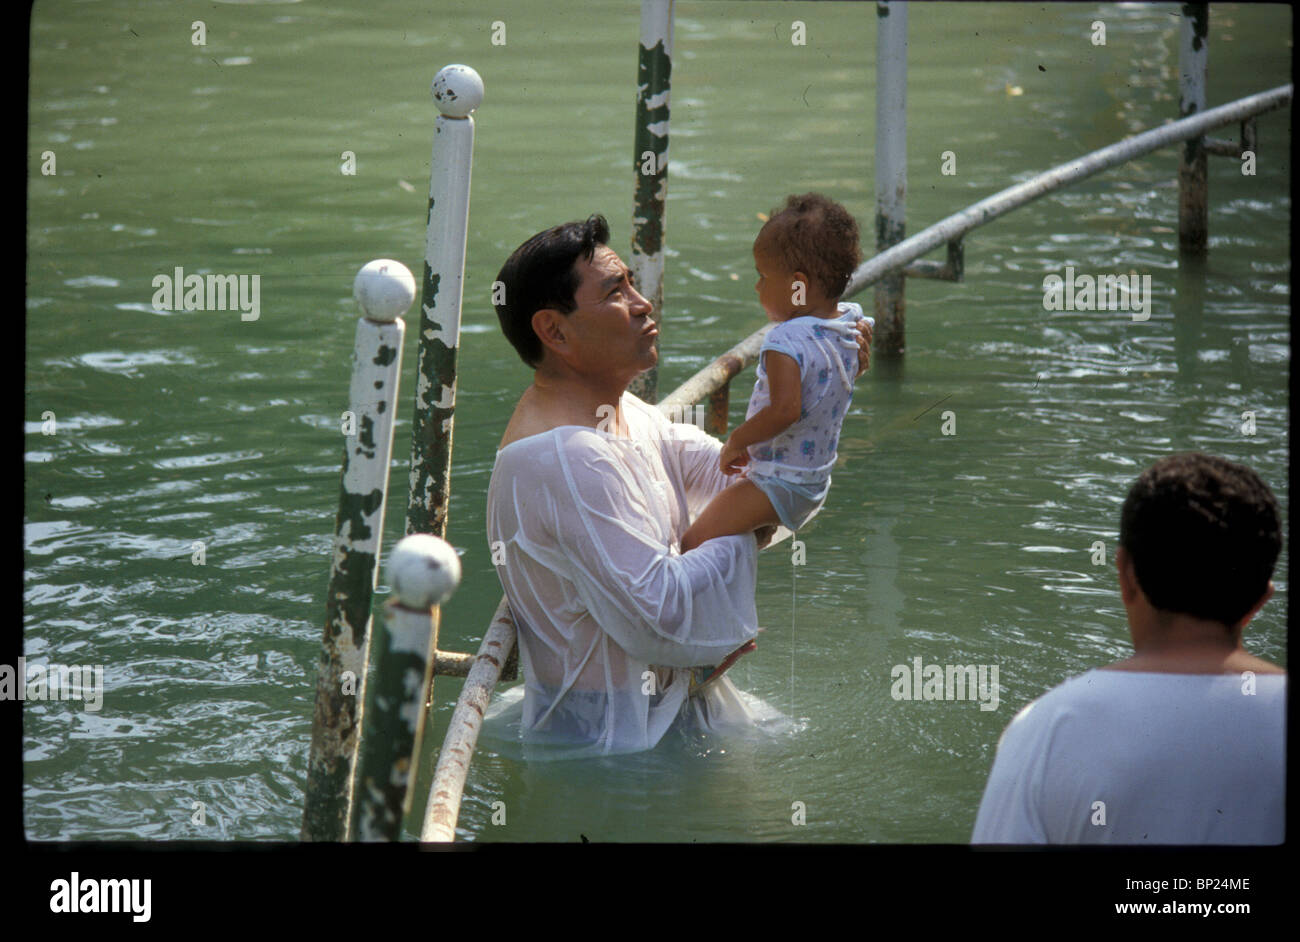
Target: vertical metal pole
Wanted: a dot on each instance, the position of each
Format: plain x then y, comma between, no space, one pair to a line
715,420
654,70
1193,53
423,571
891,169
385,289
458,90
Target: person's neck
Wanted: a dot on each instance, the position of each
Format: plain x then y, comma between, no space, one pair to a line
574,399
825,310
1181,644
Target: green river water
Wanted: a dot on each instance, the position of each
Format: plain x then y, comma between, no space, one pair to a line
969,548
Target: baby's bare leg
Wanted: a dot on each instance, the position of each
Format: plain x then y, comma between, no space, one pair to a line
740,508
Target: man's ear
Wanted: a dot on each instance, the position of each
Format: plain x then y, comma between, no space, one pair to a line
549,325
1268,594
1128,584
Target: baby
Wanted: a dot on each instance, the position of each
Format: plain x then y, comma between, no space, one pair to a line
805,255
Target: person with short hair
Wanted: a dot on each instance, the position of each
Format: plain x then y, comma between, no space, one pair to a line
590,494
1184,741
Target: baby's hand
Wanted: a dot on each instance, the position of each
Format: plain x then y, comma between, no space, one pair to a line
864,344
733,458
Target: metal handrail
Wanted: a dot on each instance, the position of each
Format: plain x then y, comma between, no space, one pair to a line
443,808
951,229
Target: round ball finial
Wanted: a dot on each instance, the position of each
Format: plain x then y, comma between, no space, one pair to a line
457,90
384,289
423,571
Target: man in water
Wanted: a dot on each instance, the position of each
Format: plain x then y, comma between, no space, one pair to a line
590,494
1184,742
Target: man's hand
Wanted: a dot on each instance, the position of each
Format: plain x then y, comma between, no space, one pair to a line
864,347
732,458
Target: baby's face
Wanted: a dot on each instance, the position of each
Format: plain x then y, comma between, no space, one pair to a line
776,287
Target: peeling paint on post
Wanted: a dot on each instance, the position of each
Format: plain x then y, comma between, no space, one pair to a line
358,531
394,721
458,90
891,170
650,163
424,572
715,420
1193,196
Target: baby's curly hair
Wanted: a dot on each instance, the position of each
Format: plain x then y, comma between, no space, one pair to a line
813,234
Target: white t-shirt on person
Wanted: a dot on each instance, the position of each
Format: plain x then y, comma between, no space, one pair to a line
1171,758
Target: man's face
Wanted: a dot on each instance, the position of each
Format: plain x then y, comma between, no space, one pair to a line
610,330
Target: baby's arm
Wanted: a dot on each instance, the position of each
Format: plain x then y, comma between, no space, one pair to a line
785,388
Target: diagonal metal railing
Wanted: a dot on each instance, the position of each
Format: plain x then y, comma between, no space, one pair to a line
708,381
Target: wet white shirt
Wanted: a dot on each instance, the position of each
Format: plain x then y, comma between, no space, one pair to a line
585,527
1173,758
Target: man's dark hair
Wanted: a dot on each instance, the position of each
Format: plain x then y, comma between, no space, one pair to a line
540,274
816,235
1204,535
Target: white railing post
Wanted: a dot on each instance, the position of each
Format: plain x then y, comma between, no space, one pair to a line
457,90
384,289
424,571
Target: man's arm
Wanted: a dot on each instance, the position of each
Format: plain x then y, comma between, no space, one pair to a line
696,453
672,610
